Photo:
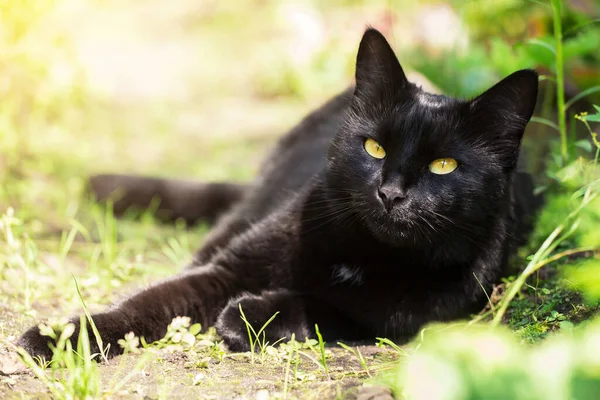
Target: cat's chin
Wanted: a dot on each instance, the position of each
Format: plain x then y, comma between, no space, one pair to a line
394,232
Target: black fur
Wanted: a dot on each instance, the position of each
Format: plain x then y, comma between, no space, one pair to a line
177,199
312,239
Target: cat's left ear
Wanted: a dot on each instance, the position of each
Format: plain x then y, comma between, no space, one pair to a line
510,102
502,112
378,72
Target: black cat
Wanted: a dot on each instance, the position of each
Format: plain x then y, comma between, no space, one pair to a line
385,209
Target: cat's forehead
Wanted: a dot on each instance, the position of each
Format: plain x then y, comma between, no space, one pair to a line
427,123
425,113
431,100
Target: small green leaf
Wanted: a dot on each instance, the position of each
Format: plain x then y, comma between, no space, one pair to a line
566,326
581,95
546,122
592,118
195,329
541,43
584,144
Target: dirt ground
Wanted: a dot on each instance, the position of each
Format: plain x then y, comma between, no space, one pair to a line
179,375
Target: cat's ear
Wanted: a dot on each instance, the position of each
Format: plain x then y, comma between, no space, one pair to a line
503,111
512,100
378,71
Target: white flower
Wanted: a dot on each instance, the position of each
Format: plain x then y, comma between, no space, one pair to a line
180,322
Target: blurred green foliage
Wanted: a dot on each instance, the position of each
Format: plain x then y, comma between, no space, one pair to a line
585,275
579,174
42,99
459,362
506,35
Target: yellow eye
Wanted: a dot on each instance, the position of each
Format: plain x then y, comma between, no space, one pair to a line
374,149
443,166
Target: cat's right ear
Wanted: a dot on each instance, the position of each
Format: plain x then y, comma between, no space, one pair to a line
378,72
503,111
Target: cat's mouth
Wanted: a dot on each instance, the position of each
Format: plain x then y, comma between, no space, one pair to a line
397,226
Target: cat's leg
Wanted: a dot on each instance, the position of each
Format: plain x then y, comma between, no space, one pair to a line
252,262
189,200
198,294
297,315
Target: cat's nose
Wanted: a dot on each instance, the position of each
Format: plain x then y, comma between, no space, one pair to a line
391,195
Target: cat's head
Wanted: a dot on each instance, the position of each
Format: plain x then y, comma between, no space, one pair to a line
416,165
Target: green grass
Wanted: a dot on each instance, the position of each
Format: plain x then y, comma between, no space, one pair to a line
257,337
322,349
356,352
462,362
73,373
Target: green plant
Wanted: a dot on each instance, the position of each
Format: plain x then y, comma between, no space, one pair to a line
562,52
358,355
181,336
461,362
106,227
322,349
543,256
292,355
14,254
257,337
559,40
587,190
560,80
297,349
73,374
586,119
88,316
381,342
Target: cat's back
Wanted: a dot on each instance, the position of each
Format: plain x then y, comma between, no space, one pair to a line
306,144
288,168
298,155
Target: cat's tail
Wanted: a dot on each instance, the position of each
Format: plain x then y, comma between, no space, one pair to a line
173,198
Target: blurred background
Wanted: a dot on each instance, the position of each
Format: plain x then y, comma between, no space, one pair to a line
201,88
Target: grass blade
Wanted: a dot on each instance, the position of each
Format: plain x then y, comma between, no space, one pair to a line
546,122
91,321
322,349
581,95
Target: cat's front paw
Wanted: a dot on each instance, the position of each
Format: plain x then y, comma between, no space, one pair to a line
111,326
39,340
36,344
289,321
232,330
